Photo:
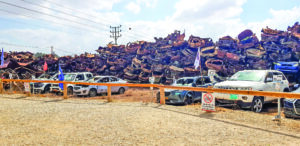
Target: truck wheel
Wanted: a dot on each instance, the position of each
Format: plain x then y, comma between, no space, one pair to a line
257,104
70,91
92,93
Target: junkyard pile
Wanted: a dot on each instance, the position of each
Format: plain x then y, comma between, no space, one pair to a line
170,56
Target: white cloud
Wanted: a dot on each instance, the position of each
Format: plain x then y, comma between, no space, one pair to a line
133,7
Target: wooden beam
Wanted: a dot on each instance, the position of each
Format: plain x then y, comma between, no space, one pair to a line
162,95
109,94
65,91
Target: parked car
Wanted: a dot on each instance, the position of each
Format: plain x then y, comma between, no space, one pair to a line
43,87
257,80
92,90
72,77
287,67
186,97
292,107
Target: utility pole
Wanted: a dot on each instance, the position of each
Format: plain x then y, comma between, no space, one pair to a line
52,51
115,31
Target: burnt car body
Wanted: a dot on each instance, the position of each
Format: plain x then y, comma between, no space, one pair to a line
183,96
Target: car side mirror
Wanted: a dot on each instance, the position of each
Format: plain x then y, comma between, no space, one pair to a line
194,85
269,80
76,79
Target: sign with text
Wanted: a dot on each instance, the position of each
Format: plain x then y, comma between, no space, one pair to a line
26,86
208,102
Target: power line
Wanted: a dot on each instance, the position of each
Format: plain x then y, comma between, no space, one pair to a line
76,10
59,11
10,4
54,22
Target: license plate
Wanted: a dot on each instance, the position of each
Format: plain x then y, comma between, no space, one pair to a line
233,97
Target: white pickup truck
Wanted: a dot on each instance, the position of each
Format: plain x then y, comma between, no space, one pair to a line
72,77
257,80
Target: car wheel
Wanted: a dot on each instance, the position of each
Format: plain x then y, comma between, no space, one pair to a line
257,104
189,98
121,90
47,89
92,93
70,91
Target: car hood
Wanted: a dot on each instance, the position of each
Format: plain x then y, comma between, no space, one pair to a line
238,83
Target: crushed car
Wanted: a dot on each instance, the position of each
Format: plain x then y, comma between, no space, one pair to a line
183,96
292,107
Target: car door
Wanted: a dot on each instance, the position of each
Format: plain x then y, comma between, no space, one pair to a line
269,86
102,89
114,88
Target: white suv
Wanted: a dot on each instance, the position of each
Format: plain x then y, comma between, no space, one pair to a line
257,80
72,77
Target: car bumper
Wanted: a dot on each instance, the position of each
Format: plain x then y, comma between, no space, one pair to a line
240,103
234,97
290,112
82,92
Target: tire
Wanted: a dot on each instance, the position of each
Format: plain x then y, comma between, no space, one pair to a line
121,90
70,91
92,93
257,104
189,99
47,89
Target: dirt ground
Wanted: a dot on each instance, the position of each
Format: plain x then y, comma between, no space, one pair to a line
133,119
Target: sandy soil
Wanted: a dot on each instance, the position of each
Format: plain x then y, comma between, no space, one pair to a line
54,121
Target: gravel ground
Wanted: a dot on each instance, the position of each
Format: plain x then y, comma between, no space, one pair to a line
53,121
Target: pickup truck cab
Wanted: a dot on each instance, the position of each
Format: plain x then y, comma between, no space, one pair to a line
256,80
72,77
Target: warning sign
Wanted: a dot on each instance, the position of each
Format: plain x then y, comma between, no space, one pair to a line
208,102
26,86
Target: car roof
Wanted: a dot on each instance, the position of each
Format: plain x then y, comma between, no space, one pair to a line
262,70
193,77
103,76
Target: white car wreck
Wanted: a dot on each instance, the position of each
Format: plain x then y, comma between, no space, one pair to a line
256,80
92,90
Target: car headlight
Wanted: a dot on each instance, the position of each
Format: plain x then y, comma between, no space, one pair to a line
295,65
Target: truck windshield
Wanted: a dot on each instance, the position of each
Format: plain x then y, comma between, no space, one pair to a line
69,77
254,76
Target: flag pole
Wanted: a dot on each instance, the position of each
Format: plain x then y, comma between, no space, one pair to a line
199,49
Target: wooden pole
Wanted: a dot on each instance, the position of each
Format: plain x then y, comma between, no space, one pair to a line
65,91
109,94
162,95
1,86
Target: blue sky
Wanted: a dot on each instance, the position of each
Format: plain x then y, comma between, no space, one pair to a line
23,30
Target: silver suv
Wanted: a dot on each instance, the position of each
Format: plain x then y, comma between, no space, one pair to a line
72,77
257,80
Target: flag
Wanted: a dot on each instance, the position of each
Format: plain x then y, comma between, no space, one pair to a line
60,77
45,66
197,60
2,58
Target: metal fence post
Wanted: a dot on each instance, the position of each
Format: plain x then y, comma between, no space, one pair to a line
65,91
162,95
109,94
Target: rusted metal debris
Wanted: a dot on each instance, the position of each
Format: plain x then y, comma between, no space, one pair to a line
171,56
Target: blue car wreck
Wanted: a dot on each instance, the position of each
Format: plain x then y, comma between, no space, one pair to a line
183,96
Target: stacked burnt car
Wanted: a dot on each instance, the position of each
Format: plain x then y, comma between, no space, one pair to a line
172,56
